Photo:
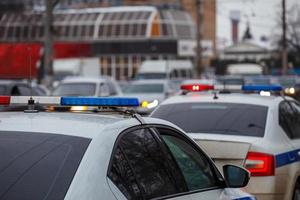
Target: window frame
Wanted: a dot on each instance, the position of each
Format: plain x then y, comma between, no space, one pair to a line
188,140
156,135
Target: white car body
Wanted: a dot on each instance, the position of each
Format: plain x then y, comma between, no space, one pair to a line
90,181
233,149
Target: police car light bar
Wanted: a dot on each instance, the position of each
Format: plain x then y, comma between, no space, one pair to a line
99,101
196,87
70,101
261,88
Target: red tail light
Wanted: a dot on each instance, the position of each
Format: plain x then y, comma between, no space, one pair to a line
4,100
197,87
260,164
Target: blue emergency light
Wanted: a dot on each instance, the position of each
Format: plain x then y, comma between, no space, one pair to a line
262,88
99,101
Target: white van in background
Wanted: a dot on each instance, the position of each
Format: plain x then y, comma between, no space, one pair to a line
244,69
165,69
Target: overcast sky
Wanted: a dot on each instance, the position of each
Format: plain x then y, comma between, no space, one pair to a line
262,15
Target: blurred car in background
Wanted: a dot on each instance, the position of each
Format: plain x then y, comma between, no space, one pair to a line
259,80
165,69
18,88
103,86
149,92
88,86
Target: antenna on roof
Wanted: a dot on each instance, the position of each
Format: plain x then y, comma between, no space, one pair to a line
31,102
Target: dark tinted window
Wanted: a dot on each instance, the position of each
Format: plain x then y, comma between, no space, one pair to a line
216,118
75,89
139,167
38,166
289,118
195,168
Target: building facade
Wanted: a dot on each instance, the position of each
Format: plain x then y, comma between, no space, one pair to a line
121,37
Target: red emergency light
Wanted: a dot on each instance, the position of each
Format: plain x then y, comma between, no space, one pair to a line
197,87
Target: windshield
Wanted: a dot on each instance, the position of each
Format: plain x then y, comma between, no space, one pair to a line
216,118
144,88
38,165
143,76
75,89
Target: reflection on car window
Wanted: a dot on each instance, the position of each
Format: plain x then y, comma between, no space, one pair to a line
139,167
195,169
75,89
216,118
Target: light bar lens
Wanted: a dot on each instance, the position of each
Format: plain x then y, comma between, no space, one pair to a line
261,88
4,100
197,87
105,101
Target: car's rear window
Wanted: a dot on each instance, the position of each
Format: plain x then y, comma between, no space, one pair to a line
38,166
216,118
75,89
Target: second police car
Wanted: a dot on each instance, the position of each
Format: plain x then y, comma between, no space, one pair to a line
258,131
109,155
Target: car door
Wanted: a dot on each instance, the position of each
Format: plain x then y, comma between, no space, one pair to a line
140,170
201,176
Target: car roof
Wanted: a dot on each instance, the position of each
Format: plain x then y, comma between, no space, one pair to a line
85,79
86,125
253,99
8,82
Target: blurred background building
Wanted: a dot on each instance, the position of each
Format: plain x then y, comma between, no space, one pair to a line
120,37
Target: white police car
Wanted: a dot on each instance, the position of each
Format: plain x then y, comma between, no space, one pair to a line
105,155
258,131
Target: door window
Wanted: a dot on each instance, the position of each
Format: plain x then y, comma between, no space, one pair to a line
196,169
139,168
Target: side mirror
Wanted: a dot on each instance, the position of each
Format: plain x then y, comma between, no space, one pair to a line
236,177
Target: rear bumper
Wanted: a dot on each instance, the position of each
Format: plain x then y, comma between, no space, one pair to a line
269,188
